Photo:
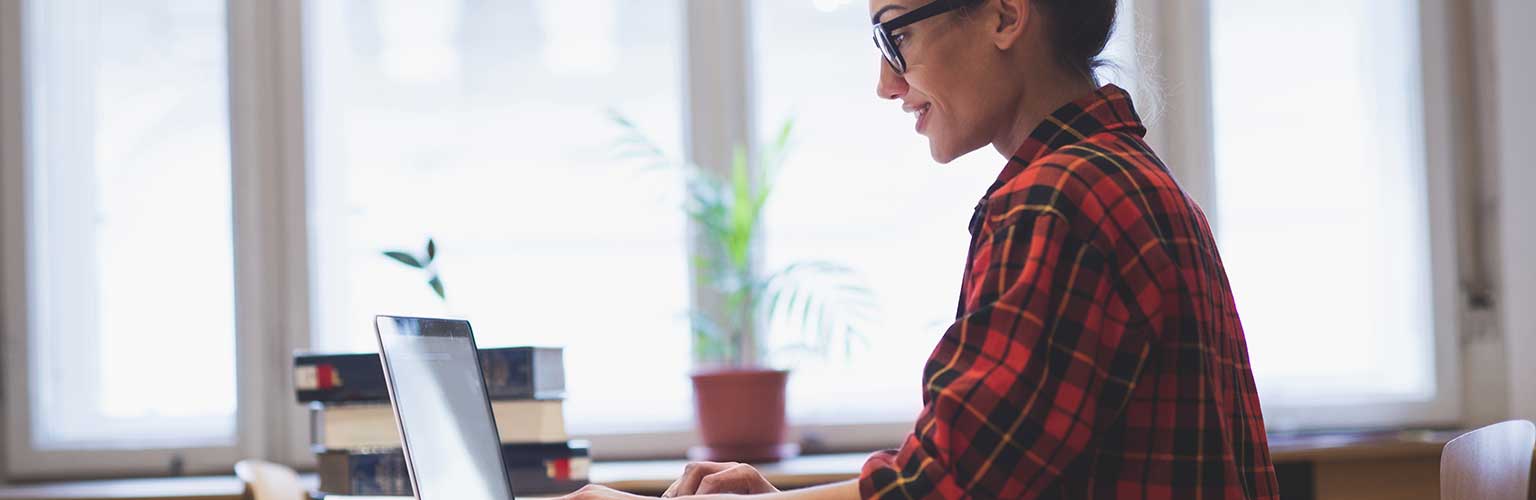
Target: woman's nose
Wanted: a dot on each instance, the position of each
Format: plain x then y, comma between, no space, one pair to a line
891,85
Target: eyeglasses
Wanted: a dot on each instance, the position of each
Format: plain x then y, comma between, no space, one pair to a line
883,30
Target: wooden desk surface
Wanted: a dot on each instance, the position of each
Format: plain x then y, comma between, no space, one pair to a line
654,476
1357,446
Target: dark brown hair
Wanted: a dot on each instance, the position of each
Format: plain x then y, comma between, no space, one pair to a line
1079,30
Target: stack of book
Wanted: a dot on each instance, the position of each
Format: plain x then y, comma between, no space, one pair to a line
357,444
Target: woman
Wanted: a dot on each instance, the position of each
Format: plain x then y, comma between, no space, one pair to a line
1097,352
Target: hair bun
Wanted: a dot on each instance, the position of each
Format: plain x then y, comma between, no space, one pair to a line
1079,31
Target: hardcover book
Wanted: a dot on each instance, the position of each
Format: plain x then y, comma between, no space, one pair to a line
533,469
371,426
510,373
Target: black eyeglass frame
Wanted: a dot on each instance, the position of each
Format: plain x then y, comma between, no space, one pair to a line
888,49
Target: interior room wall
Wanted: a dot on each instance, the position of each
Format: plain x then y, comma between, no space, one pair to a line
1510,72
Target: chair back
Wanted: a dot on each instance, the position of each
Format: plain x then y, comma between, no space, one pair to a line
1491,463
269,481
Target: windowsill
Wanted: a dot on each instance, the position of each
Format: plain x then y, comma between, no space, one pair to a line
653,476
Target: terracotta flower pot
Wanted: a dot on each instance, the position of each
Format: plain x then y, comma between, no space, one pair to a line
740,415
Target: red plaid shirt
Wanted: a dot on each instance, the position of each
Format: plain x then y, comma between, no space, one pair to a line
1098,352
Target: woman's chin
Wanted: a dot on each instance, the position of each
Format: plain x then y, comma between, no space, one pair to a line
941,152
945,148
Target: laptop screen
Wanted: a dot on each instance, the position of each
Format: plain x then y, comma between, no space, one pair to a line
451,447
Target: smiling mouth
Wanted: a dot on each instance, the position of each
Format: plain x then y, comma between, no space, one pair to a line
921,113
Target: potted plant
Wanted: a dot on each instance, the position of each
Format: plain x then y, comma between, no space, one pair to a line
739,393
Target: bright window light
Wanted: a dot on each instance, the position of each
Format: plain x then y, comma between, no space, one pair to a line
508,162
130,232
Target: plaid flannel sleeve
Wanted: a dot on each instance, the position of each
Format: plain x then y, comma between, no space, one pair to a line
1047,353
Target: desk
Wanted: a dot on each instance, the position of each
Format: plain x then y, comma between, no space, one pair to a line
1360,466
1397,465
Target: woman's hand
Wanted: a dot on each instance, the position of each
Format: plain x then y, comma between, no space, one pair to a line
846,490
702,478
595,492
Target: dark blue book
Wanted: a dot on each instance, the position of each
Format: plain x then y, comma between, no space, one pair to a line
534,469
510,373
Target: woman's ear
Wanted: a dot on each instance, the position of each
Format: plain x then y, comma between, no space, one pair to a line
1012,20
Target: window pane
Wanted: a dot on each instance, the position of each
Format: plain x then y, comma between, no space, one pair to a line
1323,219
859,188
484,124
130,224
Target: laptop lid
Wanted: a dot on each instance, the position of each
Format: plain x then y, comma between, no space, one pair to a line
432,369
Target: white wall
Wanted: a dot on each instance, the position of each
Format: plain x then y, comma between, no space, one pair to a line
1512,129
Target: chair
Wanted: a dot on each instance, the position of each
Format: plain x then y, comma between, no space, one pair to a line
269,481
1491,463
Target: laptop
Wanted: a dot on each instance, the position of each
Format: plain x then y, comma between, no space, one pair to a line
452,451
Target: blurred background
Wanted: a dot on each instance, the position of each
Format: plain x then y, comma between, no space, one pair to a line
195,189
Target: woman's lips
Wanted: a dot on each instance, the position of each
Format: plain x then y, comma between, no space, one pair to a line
922,116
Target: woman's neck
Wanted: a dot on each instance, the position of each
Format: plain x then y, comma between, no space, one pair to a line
1035,103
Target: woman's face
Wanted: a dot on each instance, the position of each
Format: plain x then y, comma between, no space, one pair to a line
950,85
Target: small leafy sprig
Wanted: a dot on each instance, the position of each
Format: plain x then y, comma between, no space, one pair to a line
423,262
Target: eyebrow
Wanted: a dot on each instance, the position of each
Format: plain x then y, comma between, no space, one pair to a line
875,19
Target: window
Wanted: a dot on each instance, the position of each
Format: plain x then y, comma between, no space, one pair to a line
859,188
1337,293
164,224
129,227
485,125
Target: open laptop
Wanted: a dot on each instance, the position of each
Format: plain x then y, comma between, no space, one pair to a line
452,451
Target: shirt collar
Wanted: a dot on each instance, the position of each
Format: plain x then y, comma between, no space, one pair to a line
1107,109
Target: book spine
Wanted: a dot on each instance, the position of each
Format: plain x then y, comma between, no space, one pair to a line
540,469
548,374
510,373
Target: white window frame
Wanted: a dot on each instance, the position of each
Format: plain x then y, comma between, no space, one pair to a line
1184,136
271,182
269,256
